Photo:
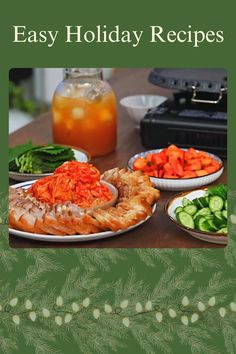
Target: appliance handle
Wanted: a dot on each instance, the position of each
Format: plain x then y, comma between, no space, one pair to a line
197,100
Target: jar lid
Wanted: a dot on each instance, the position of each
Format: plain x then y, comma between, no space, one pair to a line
83,71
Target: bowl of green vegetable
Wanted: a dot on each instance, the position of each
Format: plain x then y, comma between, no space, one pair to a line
202,213
29,162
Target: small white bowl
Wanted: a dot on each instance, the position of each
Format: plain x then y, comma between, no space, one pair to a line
137,106
114,191
176,201
180,184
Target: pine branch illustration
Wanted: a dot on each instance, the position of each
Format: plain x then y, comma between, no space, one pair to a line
99,258
217,286
134,290
7,345
35,307
169,282
3,230
44,259
229,334
151,256
230,251
200,258
7,259
196,339
151,344
152,316
3,210
78,282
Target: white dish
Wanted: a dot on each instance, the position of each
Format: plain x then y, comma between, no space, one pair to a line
70,238
80,155
176,201
138,105
180,184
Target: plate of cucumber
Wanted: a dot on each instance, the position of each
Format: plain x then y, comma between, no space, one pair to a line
202,213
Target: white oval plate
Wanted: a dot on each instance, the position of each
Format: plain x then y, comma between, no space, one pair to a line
70,238
176,201
180,184
80,155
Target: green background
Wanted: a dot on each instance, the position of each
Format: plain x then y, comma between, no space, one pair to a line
163,277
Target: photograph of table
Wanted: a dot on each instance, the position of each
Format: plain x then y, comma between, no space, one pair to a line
158,231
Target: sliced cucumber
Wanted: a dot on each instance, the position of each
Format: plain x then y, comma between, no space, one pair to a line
216,203
203,212
209,217
178,210
224,230
221,190
198,203
197,220
204,201
185,219
202,224
186,202
207,213
190,209
225,214
219,221
211,225
205,223
219,215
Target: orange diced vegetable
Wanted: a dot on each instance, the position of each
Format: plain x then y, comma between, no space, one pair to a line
168,169
193,165
173,162
178,169
157,159
140,163
211,169
201,173
161,173
149,157
149,167
202,154
216,164
206,161
155,173
190,174
173,147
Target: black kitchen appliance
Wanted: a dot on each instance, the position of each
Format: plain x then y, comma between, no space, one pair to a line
196,114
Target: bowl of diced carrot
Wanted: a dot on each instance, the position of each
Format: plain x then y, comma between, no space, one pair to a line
178,169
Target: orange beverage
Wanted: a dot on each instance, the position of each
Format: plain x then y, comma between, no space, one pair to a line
84,115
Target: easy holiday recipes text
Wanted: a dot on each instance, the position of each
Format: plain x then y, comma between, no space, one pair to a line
117,34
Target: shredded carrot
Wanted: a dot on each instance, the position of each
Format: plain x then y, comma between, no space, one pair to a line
77,182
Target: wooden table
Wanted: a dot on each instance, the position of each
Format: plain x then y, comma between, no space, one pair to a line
158,231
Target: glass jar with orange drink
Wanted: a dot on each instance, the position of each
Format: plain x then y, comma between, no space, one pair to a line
84,112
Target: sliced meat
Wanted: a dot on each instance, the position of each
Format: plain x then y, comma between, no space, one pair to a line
135,200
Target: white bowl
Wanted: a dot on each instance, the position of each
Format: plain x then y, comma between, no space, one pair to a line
137,106
114,191
176,201
180,184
